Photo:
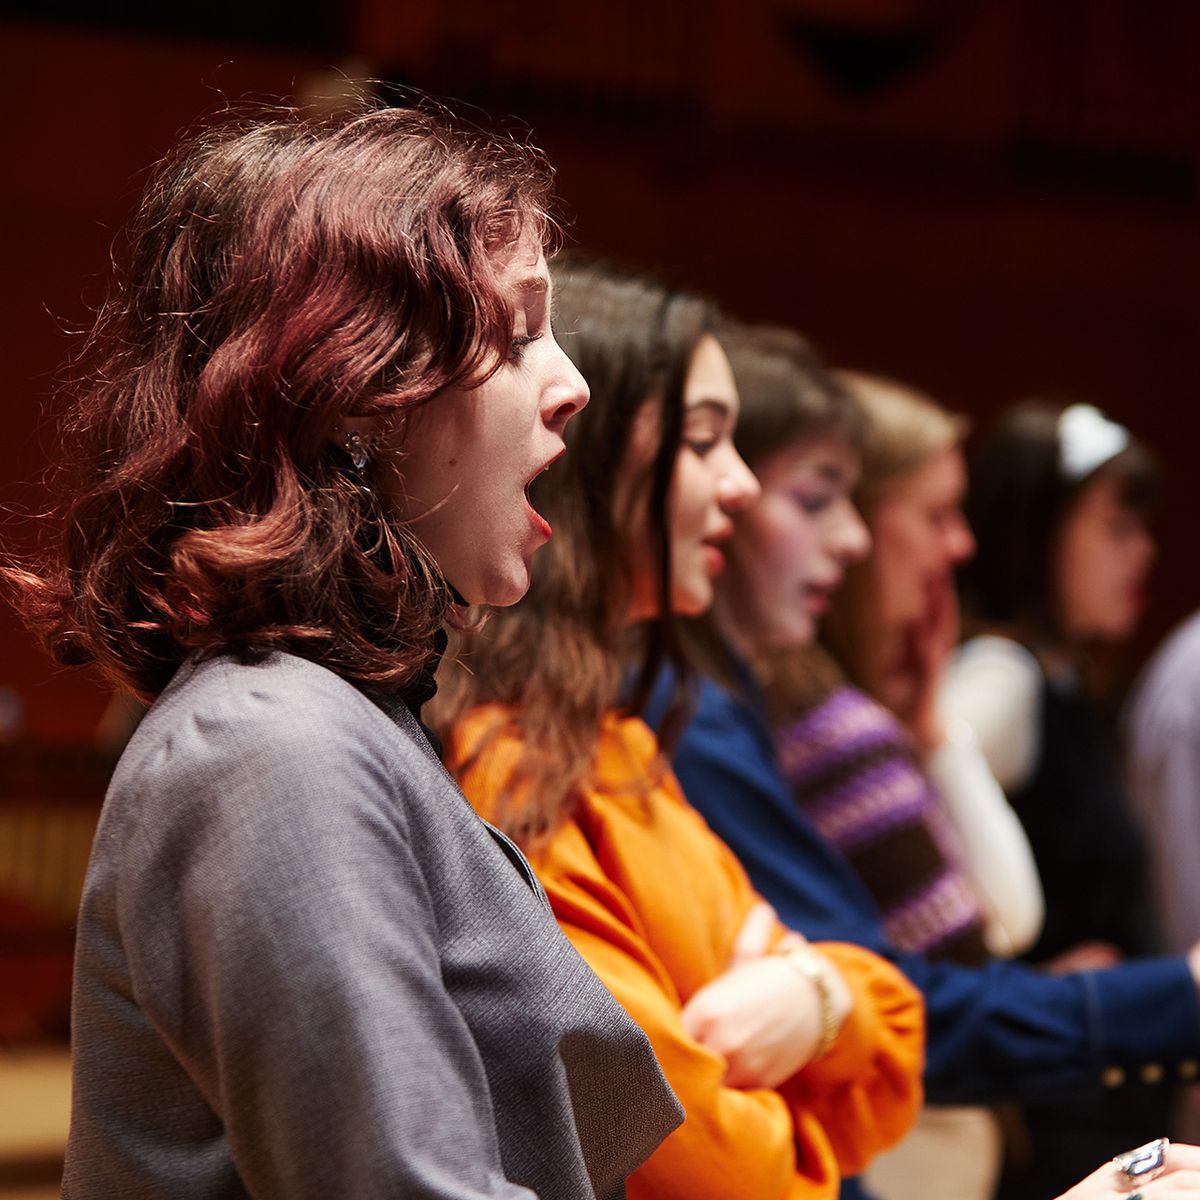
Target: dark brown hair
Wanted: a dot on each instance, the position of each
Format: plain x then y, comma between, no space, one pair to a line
1018,499
284,272
559,658
787,392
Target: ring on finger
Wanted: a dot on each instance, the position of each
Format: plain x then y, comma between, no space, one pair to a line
1142,1164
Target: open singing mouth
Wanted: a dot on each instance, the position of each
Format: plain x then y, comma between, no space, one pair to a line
538,474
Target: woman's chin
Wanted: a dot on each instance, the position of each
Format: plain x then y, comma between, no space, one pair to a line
501,586
512,593
692,602
805,632
797,635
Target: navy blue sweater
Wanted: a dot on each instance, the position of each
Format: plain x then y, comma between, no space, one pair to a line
1004,1031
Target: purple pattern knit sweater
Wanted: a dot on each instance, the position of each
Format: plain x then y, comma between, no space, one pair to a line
852,768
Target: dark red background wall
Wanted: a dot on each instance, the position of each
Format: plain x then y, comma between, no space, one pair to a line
983,198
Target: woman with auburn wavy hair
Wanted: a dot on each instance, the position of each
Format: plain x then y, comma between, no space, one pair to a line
304,967
795,1063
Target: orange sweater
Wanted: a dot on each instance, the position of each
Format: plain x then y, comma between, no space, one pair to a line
653,900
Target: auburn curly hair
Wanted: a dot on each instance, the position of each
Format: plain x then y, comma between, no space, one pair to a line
284,272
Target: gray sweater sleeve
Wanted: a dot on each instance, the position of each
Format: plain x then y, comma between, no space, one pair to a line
280,936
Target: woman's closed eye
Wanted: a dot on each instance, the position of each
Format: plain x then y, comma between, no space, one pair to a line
812,503
518,344
704,429
700,446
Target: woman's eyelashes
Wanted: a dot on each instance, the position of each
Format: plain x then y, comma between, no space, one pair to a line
812,503
535,321
704,431
518,344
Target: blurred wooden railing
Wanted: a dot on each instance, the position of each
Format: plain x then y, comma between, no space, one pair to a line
50,799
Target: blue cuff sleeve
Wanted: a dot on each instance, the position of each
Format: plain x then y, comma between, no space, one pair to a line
1146,1020
1011,1032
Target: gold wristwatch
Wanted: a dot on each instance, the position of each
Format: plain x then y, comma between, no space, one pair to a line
815,967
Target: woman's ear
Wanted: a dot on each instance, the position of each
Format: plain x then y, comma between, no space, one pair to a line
357,437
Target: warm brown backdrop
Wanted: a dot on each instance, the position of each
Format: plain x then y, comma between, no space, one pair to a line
983,197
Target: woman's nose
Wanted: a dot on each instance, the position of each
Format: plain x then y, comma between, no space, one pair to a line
960,541
566,396
738,486
854,538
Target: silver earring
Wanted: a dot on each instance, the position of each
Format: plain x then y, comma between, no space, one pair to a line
357,450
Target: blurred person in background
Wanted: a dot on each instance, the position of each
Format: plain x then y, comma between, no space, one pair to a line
1060,501
1162,746
892,629
1161,741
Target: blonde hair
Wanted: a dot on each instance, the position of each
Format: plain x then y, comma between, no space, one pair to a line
902,429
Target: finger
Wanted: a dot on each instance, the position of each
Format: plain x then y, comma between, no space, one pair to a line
1181,1156
1170,1187
1180,1177
1176,1181
754,937
704,1008
695,1022
695,1015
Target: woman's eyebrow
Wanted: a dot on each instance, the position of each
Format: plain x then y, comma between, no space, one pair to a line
536,284
722,408
534,290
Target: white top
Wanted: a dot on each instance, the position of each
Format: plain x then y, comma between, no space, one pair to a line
990,702
995,685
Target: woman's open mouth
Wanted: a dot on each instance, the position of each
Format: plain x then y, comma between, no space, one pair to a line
539,522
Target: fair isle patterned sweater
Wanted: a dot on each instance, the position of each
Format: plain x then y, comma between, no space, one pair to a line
853,770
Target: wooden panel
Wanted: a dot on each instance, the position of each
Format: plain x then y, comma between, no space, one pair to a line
95,111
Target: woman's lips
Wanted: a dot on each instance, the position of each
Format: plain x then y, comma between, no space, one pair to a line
714,556
1137,596
538,521
714,559
818,596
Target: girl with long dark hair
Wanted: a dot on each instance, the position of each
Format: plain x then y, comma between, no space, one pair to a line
1060,500
795,1063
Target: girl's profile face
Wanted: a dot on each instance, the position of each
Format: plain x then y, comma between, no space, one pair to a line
709,484
792,547
1102,562
921,536
466,459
